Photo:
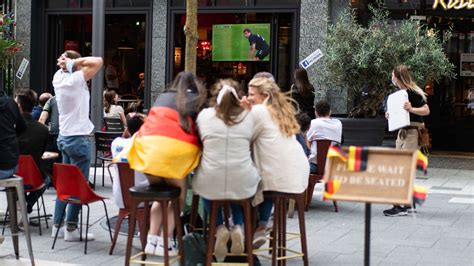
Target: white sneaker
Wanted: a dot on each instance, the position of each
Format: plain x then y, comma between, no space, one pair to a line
237,238
74,236
55,229
151,243
220,247
160,248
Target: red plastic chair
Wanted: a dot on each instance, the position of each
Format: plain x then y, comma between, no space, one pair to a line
72,187
32,182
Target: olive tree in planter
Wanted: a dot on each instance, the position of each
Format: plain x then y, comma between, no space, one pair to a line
8,48
361,59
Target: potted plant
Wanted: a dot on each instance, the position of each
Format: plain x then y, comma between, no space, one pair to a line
361,59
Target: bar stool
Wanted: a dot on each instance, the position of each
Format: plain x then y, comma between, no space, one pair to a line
215,205
14,186
278,234
162,194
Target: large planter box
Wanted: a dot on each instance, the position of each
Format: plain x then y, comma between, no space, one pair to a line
363,131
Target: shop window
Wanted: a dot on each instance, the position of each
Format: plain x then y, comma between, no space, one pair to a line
177,2
63,3
131,3
231,2
277,2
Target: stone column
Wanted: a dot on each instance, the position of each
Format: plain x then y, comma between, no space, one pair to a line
158,51
314,18
23,35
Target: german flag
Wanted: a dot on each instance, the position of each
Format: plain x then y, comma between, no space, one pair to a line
422,162
162,148
336,151
330,188
357,160
419,194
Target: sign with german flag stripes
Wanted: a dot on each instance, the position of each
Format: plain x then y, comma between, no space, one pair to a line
374,175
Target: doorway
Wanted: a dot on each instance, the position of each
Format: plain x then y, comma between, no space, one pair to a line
125,41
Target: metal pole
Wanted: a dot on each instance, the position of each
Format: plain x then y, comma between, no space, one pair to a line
368,215
98,33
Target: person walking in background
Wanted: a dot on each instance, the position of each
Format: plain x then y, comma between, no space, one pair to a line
12,124
279,158
323,127
226,170
303,92
111,109
167,149
304,121
32,141
72,96
417,106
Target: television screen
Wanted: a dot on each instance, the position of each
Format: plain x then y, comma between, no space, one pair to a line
240,42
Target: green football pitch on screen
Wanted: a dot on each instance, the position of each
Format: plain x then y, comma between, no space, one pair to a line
230,44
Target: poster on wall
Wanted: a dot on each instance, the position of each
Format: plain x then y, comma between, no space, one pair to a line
241,42
467,65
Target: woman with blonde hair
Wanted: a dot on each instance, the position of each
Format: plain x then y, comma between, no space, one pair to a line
408,137
226,170
280,159
111,108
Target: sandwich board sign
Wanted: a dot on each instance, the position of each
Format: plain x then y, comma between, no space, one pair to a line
311,59
388,177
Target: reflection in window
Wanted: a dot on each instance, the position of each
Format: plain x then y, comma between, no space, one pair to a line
231,2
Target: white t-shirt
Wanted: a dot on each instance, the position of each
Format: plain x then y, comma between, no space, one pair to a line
140,178
114,111
113,83
323,128
72,96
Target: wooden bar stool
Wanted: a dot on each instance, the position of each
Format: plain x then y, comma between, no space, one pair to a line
278,234
248,227
162,194
14,189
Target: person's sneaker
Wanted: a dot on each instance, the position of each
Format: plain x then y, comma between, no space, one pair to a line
220,247
411,210
396,211
160,248
55,229
237,238
74,236
259,239
151,243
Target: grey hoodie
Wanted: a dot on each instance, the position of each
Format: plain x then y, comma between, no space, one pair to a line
11,124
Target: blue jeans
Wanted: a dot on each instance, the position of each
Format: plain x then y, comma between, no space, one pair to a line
75,150
7,173
264,211
237,213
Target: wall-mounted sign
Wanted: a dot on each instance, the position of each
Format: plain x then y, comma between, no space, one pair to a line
388,177
311,59
467,65
22,68
454,4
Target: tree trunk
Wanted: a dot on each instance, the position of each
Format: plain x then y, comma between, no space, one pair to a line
190,30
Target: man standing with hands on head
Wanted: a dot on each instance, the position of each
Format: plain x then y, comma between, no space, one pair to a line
72,96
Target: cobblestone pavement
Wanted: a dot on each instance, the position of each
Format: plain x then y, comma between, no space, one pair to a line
440,233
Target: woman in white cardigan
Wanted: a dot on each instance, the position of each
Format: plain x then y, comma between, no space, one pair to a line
226,170
280,159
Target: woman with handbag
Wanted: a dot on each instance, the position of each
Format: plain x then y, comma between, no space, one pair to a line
409,136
